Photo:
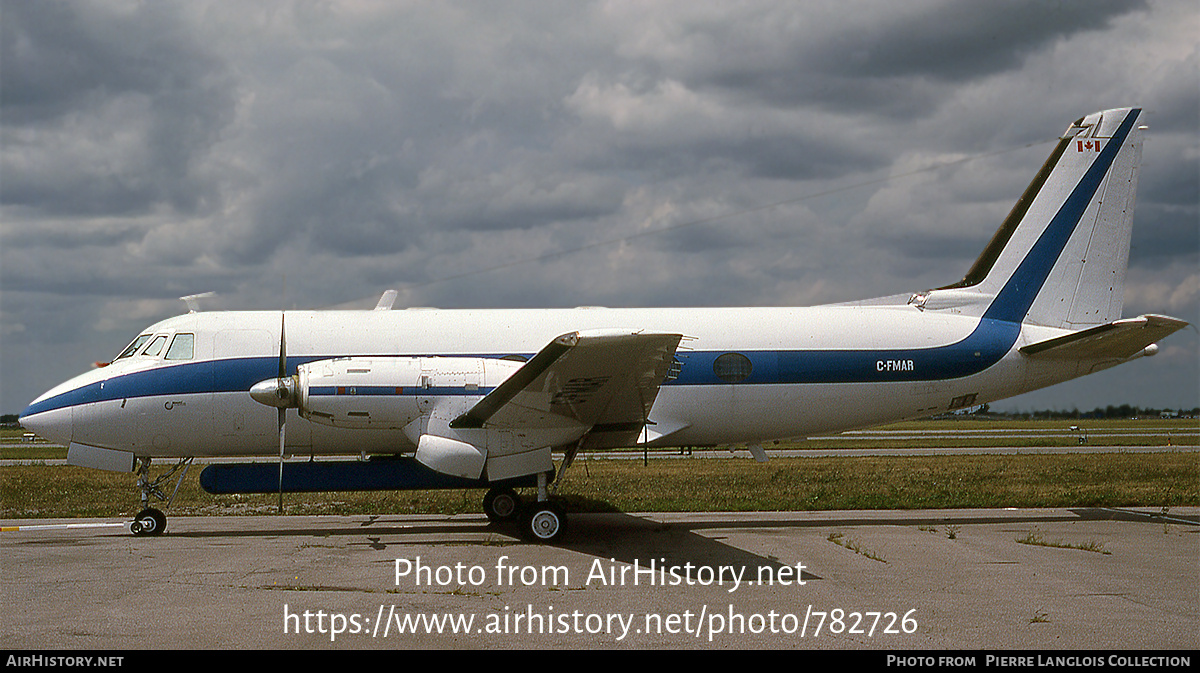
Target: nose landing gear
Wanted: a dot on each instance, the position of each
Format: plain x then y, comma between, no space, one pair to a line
151,521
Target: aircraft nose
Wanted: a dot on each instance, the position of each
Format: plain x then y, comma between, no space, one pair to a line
54,425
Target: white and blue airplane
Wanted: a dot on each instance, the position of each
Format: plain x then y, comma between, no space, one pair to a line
480,398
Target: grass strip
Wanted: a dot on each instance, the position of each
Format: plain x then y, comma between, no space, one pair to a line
687,485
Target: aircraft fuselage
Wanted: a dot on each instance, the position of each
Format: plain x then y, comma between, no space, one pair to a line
745,375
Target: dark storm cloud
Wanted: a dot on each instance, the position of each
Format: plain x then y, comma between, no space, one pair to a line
1175,95
866,58
780,156
71,235
1163,232
105,111
954,41
58,57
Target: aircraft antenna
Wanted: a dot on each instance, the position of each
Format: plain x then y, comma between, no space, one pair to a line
191,302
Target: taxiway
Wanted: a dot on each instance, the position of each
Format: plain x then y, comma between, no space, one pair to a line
944,579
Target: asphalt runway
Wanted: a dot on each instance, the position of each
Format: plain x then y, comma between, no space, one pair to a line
942,579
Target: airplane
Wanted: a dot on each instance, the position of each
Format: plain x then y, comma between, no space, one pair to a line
480,398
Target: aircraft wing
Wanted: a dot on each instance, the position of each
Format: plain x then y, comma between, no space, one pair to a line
604,380
1118,339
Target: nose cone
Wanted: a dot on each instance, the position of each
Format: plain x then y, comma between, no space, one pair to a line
52,416
48,422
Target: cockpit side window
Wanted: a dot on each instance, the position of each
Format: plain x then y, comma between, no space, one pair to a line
183,347
155,346
133,347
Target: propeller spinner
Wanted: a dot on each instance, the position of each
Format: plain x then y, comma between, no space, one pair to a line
279,393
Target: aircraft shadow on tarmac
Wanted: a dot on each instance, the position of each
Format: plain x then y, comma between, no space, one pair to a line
618,536
627,537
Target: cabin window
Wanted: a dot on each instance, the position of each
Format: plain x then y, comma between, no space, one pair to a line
155,346
732,367
133,347
183,347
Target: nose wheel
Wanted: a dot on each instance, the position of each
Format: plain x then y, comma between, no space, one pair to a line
149,521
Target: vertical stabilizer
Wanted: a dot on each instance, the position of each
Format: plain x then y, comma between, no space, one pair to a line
1060,257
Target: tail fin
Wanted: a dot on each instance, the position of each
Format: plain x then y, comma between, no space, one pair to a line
1060,257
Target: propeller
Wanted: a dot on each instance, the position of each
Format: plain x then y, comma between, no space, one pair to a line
279,392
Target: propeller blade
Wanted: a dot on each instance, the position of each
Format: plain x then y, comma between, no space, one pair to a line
282,346
282,435
282,410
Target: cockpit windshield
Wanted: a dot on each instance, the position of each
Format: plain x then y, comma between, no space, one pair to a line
133,347
155,346
183,347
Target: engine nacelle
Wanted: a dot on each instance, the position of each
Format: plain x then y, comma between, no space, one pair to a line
360,392
390,393
421,397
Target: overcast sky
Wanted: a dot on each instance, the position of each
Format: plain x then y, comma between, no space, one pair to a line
314,154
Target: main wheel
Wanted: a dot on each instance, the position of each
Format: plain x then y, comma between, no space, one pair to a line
501,504
149,521
544,522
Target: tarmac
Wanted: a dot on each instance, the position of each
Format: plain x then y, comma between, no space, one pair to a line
1030,579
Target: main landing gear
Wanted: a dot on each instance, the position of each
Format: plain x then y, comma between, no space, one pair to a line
151,521
544,522
502,504
541,521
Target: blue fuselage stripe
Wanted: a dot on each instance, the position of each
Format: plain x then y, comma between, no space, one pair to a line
394,391
981,349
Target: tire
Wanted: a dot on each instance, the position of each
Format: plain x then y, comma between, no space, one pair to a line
149,521
502,504
544,522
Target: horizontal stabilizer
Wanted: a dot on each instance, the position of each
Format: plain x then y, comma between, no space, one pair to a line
1115,340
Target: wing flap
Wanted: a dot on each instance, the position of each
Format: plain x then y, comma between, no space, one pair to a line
1119,339
606,379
